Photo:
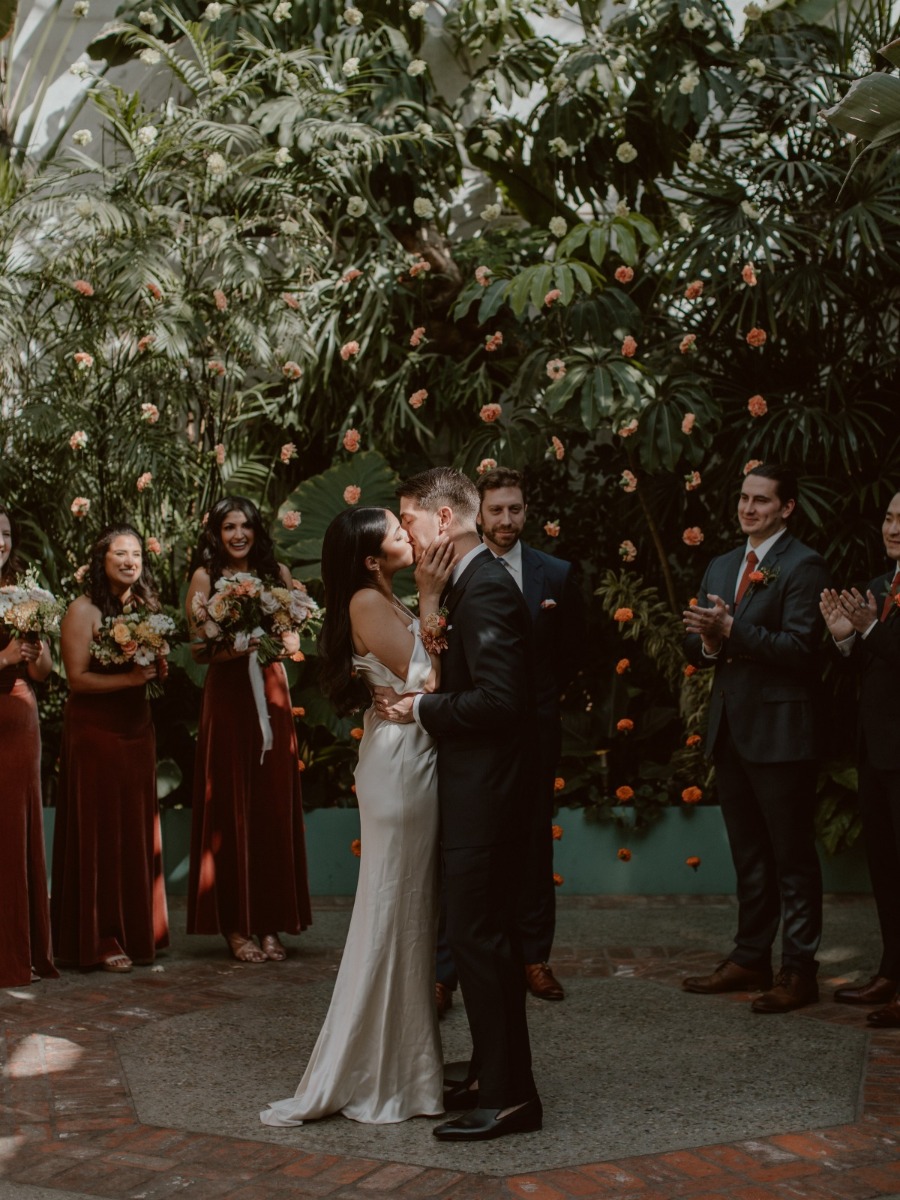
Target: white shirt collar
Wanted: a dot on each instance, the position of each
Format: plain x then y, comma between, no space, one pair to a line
464,562
513,557
764,547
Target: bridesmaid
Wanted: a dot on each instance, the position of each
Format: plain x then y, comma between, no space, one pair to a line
248,855
108,903
25,954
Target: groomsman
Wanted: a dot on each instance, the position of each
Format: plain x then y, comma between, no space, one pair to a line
756,624
866,630
557,614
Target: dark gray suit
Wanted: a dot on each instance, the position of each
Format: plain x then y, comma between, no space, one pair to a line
762,739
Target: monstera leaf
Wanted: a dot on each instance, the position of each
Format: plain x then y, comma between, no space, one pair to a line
320,499
871,109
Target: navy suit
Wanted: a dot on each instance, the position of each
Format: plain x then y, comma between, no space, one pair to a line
877,658
762,740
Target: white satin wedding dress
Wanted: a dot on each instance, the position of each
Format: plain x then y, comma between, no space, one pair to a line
378,1057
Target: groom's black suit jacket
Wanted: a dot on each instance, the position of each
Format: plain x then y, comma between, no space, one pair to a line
877,657
482,715
767,672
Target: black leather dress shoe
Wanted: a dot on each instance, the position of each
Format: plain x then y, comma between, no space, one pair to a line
460,1097
887,1017
483,1124
877,990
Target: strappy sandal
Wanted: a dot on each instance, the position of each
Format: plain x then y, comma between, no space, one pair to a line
118,964
272,947
244,949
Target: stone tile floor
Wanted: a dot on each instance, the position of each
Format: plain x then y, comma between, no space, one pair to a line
93,1063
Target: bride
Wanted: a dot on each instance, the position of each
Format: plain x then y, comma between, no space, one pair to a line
378,1056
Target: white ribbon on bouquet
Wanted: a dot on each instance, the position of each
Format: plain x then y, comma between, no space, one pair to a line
258,687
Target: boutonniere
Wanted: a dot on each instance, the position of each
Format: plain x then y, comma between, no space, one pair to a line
433,631
763,576
548,603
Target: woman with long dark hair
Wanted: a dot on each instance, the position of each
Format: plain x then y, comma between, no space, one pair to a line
108,903
378,1055
25,954
248,854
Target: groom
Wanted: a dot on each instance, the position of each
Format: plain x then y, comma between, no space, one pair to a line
482,718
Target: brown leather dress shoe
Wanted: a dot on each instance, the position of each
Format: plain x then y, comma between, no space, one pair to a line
877,991
792,989
887,1017
443,999
542,982
728,977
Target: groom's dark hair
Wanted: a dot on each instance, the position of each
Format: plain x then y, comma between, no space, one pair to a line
785,480
433,489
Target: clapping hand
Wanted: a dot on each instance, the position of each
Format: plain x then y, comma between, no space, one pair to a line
847,612
712,624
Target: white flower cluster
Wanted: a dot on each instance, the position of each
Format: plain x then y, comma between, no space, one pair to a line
282,12
216,165
423,208
626,153
353,16
418,66
356,206
491,212
560,147
351,68
82,137
558,226
696,153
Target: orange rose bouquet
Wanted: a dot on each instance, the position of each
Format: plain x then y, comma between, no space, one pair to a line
135,636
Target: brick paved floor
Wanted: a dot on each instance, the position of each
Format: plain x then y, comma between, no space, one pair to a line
69,1125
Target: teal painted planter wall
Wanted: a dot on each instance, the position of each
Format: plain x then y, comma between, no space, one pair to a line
586,856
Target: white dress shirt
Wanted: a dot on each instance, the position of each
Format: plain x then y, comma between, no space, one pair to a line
512,560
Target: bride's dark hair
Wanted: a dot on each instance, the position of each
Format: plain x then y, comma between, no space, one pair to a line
349,540
13,566
261,560
96,585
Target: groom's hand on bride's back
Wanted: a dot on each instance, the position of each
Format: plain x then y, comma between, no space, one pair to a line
393,707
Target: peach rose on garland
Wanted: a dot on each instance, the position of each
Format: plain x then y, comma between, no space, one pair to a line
624,793
551,528
490,413
298,712
692,740
291,370
494,342
624,274
83,288
625,725
757,406
418,267
689,670
356,734
558,880
556,832
556,369
687,424
623,855
623,665
144,481
486,464
155,290
351,274
552,296
628,481
290,301
221,300
149,414
415,338
686,345
752,465
627,551
692,536
483,276
629,429
693,862
559,783
291,519
748,274
215,367
349,350
352,494
417,399
351,440
692,481
154,545
145,342
558,449
78,440
692,795
622,615
694,290
629,347
80,507
356,848
757,337
287,452
83,360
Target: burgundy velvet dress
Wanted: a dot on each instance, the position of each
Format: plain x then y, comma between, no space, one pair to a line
248,853
25,920
108,895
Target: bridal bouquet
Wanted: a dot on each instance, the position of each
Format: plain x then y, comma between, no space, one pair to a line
242,607
27,609
135,636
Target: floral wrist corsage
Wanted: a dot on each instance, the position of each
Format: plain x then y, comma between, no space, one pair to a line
432,631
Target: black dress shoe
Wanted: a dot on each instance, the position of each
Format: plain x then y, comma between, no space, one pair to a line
887,1017
460,1097
483,1124
878,990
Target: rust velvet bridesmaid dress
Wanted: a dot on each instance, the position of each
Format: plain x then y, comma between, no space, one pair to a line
248,854
108,895
25,927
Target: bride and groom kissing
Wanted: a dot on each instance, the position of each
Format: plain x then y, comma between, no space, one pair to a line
447,749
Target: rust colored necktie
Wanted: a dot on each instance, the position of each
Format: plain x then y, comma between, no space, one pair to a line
889,600
752,560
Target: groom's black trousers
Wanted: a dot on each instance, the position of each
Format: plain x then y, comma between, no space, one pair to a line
481,885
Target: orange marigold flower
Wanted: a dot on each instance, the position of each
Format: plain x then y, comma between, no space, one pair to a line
356,848
417,399
692,481
690,670
692,795
301,765
623,855
559,450
622,615
558,880
748,274
687,343
356,733
693,290
625,725
693,602
629,347
352,493
298,712
628,481
623,665
693,739
551,528
415,338
693,862
624,274
692,536
155,291
624,793
348,350
552,296
143,343
350,440
757,336
558,783
556,832
687,425
291,370
757,406
490,413
486,464
83,287
627,551
752,465
494,342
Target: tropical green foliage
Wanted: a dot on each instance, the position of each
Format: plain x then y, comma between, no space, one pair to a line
615,246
